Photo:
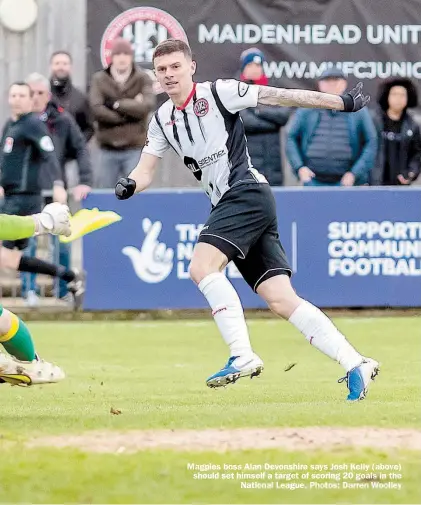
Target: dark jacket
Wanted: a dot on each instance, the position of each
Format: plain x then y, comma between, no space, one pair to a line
262,125
121,120
363,141
69,144
75,102
410,149
25,147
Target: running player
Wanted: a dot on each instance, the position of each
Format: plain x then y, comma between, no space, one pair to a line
201,122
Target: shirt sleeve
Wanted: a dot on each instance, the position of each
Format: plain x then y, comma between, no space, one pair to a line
236,95
16,227
156,142
39,135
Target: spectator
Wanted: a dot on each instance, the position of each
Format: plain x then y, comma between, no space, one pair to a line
263,123
399,154
69,143
68,140
330,148
25,145
121,99
66,95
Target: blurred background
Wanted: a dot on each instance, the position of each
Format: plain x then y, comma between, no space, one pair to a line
347,186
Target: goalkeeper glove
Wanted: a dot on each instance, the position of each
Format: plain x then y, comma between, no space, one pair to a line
54,219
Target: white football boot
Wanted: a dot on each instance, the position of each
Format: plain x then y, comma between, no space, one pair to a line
26,373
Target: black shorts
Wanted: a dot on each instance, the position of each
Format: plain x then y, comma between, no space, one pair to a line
20,205
243,225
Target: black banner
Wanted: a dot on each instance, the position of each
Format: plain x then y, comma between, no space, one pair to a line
369,40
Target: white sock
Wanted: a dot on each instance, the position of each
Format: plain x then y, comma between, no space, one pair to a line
322,333
227,312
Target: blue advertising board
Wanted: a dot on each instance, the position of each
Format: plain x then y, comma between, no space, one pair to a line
356,247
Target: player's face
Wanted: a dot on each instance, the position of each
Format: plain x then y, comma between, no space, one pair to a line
398,98
41,96
333,86
61,66
20,100
175,73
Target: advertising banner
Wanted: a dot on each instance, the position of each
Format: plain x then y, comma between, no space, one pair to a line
347,248
300,39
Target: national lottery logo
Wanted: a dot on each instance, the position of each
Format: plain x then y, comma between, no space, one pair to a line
144,28
155,260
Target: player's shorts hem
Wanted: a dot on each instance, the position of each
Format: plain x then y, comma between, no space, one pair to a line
227,247
272,272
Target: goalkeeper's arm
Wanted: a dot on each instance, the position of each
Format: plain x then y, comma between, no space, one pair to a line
55,219
16,227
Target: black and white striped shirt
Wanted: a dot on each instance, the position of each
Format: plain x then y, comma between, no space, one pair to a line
208,134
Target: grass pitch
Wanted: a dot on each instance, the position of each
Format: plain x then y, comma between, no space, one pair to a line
154,373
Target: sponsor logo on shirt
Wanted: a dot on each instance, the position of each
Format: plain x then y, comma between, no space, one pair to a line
212,158
172,122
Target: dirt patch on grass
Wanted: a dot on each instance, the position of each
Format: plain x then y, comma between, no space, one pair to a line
236,439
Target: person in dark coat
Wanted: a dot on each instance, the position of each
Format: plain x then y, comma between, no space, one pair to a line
69,144
399,154
263,123
66,95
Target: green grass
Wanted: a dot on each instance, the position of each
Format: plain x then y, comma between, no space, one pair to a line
155,373
162,477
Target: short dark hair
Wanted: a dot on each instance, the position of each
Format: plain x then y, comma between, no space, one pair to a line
172,46
22,83
66,53
388,84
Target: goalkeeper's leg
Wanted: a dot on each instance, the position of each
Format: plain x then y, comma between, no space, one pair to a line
23,366
15,260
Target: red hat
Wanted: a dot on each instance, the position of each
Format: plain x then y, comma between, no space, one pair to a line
121,46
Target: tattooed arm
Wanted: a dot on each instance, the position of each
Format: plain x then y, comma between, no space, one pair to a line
299,98
350,101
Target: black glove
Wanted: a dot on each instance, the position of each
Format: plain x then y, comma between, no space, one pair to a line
354,100
125,188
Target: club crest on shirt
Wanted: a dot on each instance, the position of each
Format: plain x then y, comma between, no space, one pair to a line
201,107
8,145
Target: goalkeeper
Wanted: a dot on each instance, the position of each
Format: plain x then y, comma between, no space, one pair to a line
23,366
